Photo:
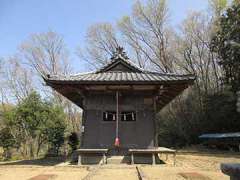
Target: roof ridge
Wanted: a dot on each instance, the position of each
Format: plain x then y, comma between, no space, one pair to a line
82,73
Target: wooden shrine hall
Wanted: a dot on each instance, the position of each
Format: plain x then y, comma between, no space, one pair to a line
120,102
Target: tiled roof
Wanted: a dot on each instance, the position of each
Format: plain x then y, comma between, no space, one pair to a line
116,77
120,71
111,75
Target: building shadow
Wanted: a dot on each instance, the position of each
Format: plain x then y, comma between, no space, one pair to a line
146,159
211,153
49,161
126,159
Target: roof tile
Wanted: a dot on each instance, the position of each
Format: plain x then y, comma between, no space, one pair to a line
123,76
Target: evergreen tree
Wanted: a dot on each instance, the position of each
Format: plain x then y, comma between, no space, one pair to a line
226,43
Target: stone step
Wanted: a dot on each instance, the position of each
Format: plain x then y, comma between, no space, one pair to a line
118,159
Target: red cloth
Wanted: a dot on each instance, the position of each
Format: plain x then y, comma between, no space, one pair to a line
117,142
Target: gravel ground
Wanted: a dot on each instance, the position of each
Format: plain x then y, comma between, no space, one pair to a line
204,165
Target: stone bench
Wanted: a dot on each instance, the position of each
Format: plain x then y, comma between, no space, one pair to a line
81,152
232,170
153,152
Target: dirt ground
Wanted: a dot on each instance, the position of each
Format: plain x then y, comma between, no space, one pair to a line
189,166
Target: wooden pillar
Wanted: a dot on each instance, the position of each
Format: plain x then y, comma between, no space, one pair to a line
155,123
117,114
81,136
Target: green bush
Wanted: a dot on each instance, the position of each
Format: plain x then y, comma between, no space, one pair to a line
73,141
7,141
220,113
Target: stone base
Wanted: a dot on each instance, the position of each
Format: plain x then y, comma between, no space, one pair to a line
146,159
232,170
118,160
92,159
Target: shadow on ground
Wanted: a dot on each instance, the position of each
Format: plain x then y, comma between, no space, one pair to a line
37,162
97,159
216,154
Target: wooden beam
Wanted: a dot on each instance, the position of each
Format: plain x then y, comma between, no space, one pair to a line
144,87
100,87
120,87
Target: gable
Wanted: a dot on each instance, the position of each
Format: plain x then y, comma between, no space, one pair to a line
120,65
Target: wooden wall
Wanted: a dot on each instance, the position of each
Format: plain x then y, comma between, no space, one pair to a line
135,134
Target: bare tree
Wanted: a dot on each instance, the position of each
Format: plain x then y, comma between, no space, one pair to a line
197,56
18,79
217,7
47,53
101,42
147,33
2,96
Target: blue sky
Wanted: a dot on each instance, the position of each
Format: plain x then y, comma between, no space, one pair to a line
70,18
